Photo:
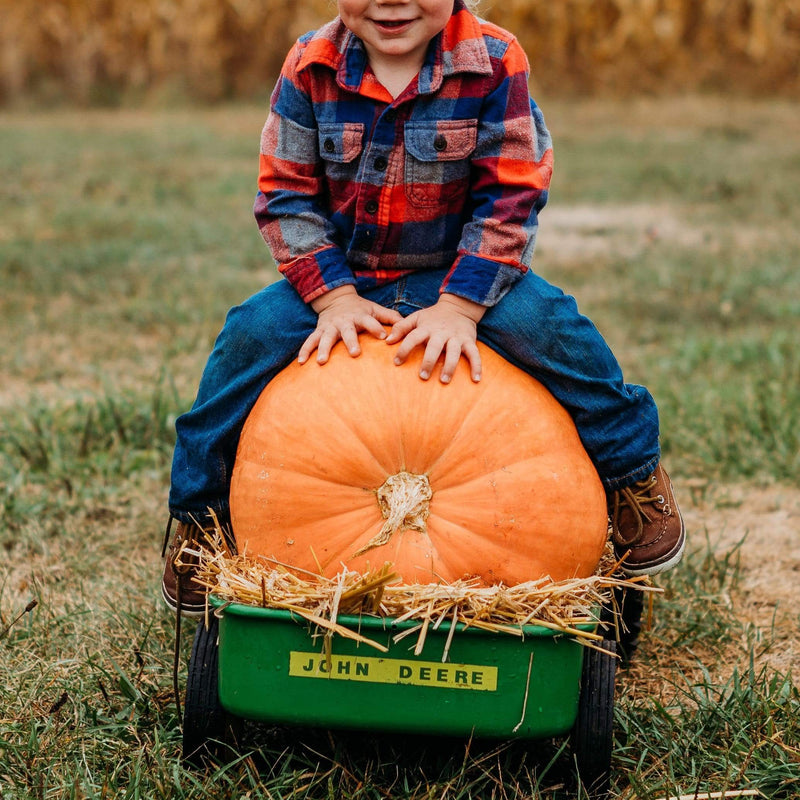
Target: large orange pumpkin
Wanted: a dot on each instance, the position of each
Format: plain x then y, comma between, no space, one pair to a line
485,480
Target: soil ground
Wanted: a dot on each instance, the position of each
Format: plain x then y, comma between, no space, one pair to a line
763,524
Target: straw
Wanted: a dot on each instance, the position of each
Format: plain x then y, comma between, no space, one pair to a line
567,607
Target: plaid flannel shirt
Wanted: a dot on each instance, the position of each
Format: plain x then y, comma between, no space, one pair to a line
355,185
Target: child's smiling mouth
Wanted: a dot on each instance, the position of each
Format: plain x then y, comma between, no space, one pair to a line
393,25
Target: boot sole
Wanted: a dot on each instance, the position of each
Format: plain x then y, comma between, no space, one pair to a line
187,612
672,559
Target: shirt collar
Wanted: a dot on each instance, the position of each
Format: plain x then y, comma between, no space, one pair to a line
458,48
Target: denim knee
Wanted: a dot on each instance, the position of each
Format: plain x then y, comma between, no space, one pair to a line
538,328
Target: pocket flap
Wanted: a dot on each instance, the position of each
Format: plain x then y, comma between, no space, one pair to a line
446,140
340,142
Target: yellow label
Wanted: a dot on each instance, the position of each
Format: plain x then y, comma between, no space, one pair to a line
388,670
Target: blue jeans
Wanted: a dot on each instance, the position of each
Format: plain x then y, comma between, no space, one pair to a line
535,326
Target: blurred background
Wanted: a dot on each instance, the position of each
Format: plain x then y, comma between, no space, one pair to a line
112,52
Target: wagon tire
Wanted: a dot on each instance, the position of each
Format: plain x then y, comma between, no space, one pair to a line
208,730
593,733
632,605
623,618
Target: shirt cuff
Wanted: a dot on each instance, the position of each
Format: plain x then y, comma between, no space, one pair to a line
317,273
481,280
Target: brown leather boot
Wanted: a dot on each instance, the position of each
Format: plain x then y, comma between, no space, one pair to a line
178,587
646,525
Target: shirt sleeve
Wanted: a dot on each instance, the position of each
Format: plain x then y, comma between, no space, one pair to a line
289,206
512,164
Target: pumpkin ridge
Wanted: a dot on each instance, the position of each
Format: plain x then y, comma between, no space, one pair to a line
284,521
477,477
323,479
446,565
326,515
527,463
445,451
352,425
456,425
335,550
483,397
502,551
309,476
258,444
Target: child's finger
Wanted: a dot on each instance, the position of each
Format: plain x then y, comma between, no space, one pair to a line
374,327
400,330
309,346
451,358
387,316
327,340
432,352
350,338
410,341
473,356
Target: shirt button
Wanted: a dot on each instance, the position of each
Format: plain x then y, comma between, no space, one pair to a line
329,146
380,163
440,143
371,206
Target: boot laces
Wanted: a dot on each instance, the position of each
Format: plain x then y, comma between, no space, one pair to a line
186,534
635,498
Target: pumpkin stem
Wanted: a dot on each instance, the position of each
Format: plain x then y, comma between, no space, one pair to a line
404,503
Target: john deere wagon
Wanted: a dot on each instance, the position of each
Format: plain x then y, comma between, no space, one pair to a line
268,665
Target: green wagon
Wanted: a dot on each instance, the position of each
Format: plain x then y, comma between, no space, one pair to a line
269,665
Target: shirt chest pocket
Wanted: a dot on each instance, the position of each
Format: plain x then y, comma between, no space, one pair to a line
437,159
340,146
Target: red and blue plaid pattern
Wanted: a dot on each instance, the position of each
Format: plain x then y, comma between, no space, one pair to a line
451,173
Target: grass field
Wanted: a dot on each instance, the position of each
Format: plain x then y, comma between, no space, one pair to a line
124,238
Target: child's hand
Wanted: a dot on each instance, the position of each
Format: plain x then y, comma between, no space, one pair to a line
449,327
342,314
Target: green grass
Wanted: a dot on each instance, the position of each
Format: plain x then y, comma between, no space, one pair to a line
125,237
742,733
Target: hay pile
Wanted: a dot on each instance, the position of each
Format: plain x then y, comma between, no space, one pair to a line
562,606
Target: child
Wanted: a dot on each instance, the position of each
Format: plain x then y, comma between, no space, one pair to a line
403,167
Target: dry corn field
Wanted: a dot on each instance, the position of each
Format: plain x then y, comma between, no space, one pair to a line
118,50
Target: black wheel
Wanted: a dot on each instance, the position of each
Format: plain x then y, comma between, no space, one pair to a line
207,727
593,734
622,619
631,603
